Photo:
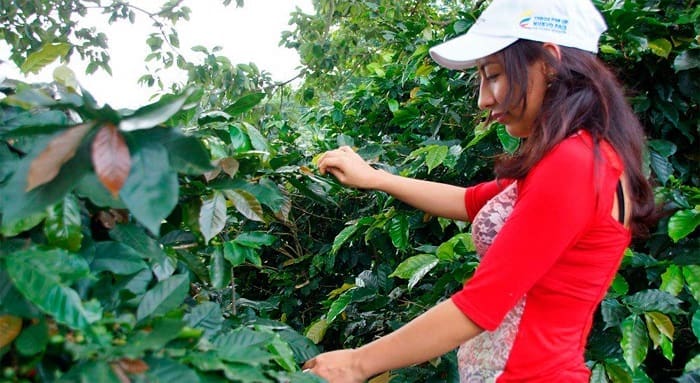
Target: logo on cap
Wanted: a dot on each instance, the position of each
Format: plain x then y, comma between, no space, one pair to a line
543,23
526,20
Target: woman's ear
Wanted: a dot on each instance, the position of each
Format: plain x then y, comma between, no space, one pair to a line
553,49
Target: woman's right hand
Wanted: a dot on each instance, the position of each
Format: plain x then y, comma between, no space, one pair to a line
349,168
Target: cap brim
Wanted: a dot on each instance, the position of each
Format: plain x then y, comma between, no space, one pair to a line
463,51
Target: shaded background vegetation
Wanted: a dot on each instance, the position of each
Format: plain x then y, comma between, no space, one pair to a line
192,240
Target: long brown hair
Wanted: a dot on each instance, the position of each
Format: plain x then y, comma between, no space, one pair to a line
582,94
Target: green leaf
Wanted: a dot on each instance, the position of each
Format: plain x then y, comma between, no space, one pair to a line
207,316
188,155
653,331
688,59
663,323
29,98
92,371
339,305
393,105
116,258
155,114
132,236
415,268
620,285
317,330
667,348
256,138
236,254
63,225
598,374
510,143
91,187
661,165
683,222
241,337
435,156
153,337
653,300
38,60
244,104
12,228
29,123
693,364
617,373
218,270
403,117
303,348
343,237
461,26
446,251
212,216
692,279
613,312
66,77
240,142
246,204
164,370
33,339
255,239
663,147
44,278
270,195
138,283
635,342
282,354
695,324
151,191
672,280
398,230
660,47
163,297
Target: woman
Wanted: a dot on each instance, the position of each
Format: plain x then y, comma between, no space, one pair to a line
564,206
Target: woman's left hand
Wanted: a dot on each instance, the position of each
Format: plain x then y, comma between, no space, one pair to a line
342,366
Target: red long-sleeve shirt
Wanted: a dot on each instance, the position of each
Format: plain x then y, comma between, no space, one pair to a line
561,248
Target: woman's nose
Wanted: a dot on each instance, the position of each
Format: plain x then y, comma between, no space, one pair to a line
486,99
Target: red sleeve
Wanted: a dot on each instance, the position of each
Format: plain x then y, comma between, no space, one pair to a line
476,196
556,202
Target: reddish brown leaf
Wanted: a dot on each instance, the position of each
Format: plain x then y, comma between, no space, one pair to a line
210,175
133,366
229,166
10,326
120,373
47,164
111,158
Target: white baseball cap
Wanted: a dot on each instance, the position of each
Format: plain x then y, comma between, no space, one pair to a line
570,23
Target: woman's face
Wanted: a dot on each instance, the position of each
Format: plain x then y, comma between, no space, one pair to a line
493,88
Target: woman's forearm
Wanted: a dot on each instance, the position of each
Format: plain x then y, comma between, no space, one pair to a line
434,333
438,199
434,198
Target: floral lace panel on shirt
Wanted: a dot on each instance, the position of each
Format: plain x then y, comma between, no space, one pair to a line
484,357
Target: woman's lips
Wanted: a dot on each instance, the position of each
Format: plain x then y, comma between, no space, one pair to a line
499,117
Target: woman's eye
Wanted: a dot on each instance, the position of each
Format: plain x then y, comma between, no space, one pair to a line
492,77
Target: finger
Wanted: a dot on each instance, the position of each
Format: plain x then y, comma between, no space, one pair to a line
337,173
322,162
328,162
309,364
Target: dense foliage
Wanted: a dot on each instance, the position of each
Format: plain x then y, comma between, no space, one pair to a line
192,240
